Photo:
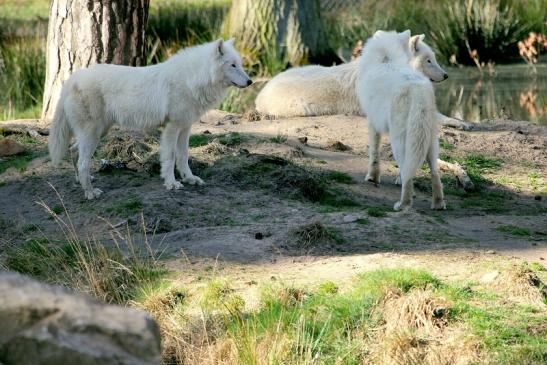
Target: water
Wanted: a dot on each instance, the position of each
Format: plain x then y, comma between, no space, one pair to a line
512,92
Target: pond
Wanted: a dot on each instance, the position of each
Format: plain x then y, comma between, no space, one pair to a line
511,92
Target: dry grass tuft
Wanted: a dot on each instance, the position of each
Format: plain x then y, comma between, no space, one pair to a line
309,235
522,285
416,331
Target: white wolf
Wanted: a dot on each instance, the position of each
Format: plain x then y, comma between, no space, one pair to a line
318,90
401,101
175,93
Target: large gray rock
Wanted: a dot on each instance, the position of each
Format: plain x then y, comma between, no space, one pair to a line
47,325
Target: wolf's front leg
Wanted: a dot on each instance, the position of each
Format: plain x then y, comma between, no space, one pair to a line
182,158
168,147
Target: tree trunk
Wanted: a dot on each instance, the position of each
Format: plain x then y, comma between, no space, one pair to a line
84,32
286,29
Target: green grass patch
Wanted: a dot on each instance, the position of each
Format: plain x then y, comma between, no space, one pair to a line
198,140
231,139
126,207
278,139
378,212
340,177
108,273
19,162
515,231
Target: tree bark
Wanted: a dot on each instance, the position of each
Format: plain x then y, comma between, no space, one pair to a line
84,32
288,29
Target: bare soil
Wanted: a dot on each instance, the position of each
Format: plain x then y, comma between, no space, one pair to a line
271,177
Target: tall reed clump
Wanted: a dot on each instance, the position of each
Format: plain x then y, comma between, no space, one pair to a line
479,31
22,77
112,273
176,24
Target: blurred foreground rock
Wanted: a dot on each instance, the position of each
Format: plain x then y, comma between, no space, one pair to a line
9,147
44,324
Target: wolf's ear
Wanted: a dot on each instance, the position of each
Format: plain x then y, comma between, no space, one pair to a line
230,42
220,46
378,33
414,43
405,36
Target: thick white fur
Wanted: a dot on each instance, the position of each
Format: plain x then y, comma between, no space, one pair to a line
400,101
175,93
318,90
311,90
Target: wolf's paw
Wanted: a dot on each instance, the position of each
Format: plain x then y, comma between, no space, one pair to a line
438,205
397,180
173,185
373,178
93,193
399,206
193,180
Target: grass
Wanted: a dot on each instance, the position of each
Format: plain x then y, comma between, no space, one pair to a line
112,274
377,212
18,162
127,207
340,177
315,234
515,231
279,176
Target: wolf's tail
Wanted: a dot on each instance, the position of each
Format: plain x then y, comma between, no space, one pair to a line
59,134
421,128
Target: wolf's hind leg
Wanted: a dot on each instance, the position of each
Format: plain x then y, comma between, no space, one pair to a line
437,187
182,158
167,156
407,191
86,147
373,155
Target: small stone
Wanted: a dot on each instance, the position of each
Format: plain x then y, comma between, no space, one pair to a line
337,146
489,277
350,218
33,133
491,252
9,147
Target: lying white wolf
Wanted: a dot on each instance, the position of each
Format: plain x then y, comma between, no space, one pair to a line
318,90
175,93
401,101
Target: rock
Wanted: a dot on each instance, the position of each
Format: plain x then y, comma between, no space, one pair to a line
337,146
351,218
44,324
33,133
9,147
489,277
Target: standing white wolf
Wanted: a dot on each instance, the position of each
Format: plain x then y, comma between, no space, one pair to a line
319,90
401,101
175,93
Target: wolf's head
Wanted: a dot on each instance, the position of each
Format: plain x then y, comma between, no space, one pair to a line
423,59
386,47
231,68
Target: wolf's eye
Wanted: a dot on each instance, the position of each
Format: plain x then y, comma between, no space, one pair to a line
428,61
233,65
